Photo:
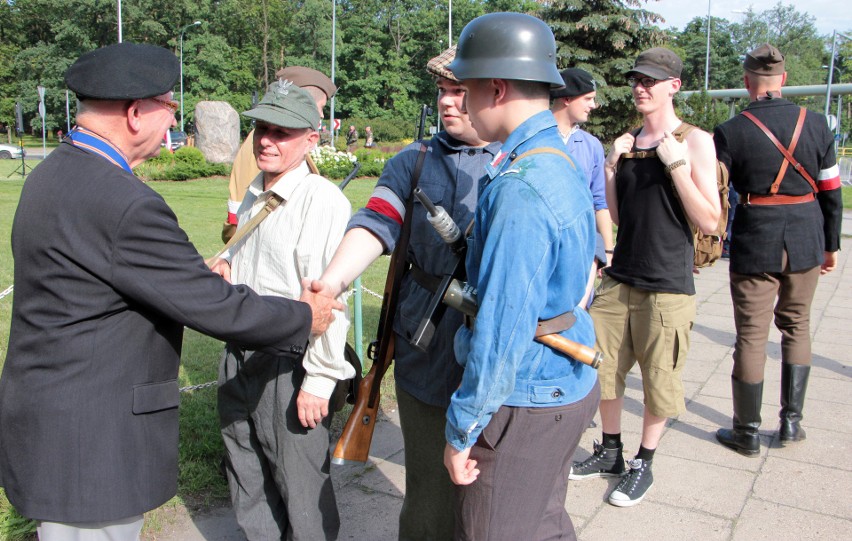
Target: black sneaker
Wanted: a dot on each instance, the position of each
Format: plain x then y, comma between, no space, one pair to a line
634,485
603,463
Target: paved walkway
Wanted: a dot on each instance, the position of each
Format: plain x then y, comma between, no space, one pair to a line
702,491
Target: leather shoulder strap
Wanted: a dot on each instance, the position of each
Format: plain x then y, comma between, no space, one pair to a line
544,150
786,152
273,200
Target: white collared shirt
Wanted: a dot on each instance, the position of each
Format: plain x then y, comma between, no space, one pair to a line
297,240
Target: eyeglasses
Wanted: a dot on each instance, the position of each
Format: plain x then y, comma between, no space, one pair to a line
171,105
646,82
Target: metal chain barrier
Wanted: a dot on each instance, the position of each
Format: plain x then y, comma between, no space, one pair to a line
7,291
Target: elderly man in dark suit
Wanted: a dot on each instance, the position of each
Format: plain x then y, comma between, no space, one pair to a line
105,281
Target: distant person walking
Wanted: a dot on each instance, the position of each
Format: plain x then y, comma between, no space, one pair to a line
352,138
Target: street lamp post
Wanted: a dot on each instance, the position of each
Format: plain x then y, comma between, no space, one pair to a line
707,59
835,35
182,30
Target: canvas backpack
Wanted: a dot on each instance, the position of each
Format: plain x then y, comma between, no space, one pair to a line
708,247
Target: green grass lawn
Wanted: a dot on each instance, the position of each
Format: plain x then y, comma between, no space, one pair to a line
201,207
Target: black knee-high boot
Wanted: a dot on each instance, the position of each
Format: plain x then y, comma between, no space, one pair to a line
794,384
744,437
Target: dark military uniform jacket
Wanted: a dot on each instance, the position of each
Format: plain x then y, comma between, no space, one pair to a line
762,232
105,281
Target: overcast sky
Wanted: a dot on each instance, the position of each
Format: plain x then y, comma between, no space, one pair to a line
830,15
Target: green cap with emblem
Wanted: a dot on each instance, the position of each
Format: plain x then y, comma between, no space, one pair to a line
286,105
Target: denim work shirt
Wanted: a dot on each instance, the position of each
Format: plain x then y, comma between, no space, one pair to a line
450,174
529,257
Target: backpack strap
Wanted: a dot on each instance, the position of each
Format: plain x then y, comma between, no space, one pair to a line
786,152
679,133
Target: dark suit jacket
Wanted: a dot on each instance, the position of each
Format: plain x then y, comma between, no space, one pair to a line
105,281
761,233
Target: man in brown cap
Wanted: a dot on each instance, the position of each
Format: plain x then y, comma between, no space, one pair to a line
105,282
273,412
244,168
645,305
455,160
786,232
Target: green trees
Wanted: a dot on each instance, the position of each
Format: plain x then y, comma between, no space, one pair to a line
381,48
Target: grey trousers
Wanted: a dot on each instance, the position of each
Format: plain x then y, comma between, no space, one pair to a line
118,530
427,509
278,471
524,457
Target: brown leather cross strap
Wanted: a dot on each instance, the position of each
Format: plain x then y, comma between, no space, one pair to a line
787,152
272,202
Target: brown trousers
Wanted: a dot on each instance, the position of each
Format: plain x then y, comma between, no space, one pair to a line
524,456
753,296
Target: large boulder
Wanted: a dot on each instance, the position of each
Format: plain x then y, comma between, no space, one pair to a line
217,131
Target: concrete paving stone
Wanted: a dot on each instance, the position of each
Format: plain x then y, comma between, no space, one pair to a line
831,335
841,301
698,370
768,521
836,325
804,486
718,385
586,497
383,476
828,388
822,447
835,310
704,331
368,516
651,521
716,490
717,411
716,309
708,351
697,442
828,415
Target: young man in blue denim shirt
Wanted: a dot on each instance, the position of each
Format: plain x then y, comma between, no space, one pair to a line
425,380
515,421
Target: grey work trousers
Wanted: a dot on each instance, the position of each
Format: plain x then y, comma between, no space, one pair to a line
278,471
754,298
524,457
427,509
117,530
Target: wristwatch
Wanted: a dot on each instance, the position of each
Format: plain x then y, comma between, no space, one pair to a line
674,165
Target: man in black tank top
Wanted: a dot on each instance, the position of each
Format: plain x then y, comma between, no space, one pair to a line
644,308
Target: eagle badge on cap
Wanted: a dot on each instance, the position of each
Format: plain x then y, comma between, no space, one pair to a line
282,86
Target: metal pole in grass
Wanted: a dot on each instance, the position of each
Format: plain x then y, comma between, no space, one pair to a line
357,320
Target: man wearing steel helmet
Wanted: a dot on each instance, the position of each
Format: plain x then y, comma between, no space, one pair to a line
274,412
515,421
424,380
644,308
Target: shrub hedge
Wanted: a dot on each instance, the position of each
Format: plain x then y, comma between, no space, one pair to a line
184,164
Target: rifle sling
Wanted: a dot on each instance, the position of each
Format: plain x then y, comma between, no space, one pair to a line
396,269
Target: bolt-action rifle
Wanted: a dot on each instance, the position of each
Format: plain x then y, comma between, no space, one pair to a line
354,442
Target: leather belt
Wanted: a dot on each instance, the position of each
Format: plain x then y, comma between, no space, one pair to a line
777,199
560,323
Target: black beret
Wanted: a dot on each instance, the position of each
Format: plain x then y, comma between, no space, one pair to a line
577,83
124,71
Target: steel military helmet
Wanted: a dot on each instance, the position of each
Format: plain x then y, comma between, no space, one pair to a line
507,46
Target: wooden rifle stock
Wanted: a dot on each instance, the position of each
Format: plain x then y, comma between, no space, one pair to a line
354,442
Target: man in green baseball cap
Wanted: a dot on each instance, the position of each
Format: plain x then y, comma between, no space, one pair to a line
274,412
